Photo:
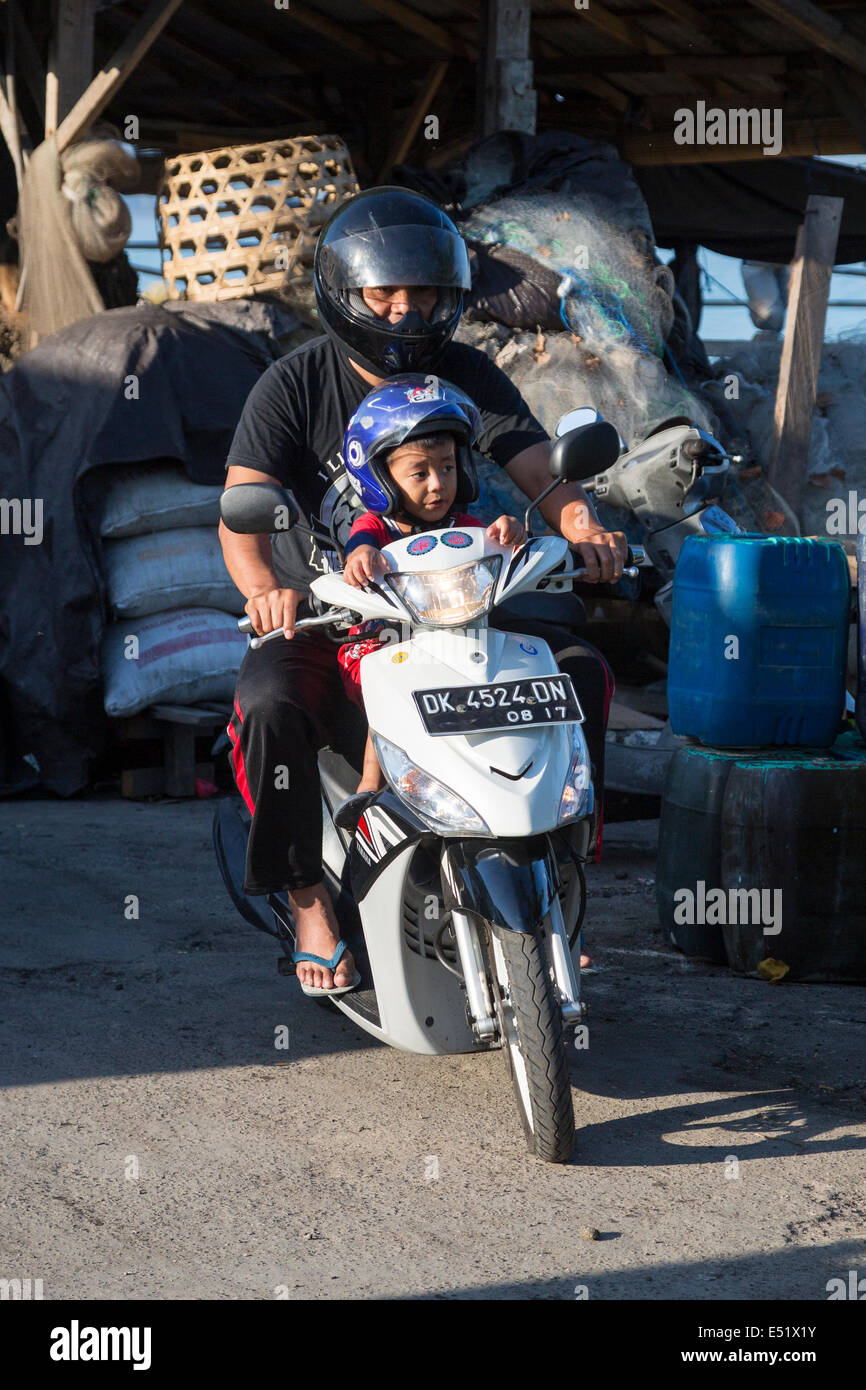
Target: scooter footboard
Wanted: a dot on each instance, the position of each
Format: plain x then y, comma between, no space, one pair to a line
510,882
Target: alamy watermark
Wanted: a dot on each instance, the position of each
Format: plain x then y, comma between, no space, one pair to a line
731,906
22,516
736,126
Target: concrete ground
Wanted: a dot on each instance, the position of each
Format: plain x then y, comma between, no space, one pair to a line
156,1144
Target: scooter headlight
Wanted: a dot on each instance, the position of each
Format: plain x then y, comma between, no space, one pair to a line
441,809
577,794
449,598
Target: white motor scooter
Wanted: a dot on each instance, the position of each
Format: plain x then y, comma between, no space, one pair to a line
461,890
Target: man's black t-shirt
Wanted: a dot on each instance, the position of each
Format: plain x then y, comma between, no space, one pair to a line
295,417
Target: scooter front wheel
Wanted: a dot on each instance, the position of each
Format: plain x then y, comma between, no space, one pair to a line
530,1024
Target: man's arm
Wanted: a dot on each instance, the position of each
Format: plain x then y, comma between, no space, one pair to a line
569,511
250,563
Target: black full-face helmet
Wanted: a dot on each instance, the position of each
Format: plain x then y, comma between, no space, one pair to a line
382,237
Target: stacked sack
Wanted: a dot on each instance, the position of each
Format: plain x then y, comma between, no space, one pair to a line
174,637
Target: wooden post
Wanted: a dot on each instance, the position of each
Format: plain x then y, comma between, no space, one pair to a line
115,72
509,97
430,85
801,352
70,59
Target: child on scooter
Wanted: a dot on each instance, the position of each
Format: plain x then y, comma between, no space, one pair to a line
408,451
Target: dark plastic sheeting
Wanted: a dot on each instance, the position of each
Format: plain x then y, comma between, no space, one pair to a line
64,411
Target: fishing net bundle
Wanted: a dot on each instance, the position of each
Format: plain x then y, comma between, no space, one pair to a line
70,213
615,312
744,393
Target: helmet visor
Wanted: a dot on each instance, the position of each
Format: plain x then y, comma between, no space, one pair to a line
409,255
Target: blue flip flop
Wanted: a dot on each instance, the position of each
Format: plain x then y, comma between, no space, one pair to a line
326,965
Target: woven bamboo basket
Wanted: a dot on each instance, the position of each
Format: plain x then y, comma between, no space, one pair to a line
244,219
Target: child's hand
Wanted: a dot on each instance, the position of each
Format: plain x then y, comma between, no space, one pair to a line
507,530
363,566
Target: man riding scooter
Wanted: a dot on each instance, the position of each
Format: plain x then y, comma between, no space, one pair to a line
389,272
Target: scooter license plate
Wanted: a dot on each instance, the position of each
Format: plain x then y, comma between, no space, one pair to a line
482,709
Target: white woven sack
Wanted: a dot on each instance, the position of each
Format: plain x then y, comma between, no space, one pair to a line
169,569
175,658
141,497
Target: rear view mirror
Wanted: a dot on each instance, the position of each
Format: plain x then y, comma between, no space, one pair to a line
584,415
583,452
258,508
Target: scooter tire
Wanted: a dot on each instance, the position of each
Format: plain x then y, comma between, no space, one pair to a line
532,1040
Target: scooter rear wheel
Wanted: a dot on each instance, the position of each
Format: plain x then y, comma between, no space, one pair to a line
530,1023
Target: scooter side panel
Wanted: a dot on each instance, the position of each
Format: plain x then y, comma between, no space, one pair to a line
421,1006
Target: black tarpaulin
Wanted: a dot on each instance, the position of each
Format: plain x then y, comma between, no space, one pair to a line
123,387
752,209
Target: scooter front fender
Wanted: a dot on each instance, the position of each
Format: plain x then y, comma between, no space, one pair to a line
511,883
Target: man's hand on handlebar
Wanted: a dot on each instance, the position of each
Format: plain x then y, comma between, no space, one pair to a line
602,553
273,609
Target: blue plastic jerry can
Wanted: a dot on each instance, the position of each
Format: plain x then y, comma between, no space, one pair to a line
759,641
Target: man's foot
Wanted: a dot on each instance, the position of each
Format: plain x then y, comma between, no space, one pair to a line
316,931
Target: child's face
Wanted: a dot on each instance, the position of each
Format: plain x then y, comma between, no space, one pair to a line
425,478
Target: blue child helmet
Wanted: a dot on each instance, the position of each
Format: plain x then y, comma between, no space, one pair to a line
403,408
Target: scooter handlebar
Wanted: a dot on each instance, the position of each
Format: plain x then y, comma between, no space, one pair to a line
340,615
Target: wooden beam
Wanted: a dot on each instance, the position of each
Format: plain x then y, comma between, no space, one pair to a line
823,135
70,59
819,28
801,351
420,108
27,59
417,23
686,15
695,64
606,92
612,96
508,94
115,72
226,43
12,125
343,37
849,95
632,34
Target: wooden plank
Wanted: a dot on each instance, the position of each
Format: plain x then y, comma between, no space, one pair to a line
115,72
27,59
70,59
605,91
425,28
12,125
343,37
420,108
821,135
632,34
139,782
179,760
190,714
686,15
849,95
819,27
802,348
695,64
508,100
597,86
